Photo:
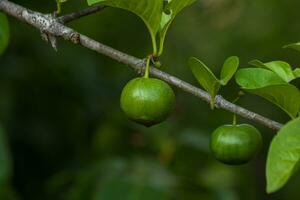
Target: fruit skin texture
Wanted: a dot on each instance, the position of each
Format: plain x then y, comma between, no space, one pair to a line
235,144
147,101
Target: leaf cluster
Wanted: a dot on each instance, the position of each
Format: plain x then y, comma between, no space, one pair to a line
156,14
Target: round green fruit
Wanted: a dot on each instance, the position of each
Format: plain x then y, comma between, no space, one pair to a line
147,101
235,144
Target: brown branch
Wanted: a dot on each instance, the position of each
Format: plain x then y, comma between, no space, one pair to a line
51,25
81,13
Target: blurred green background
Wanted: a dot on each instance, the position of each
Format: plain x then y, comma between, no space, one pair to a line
64,136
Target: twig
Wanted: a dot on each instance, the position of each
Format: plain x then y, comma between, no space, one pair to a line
52,26
81,13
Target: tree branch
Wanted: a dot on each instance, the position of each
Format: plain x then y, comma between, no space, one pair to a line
81,13
47,23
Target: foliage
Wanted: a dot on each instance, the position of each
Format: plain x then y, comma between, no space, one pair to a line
208,80
295,46
281,68
64,123
156,14
284,155
267,84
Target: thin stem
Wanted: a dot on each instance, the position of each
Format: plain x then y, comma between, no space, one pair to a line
212,103
234,119
58,5
161,45
240,94
236,99
146,75
153,38
81,13
156,62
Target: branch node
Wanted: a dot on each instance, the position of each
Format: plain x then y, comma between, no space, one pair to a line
75,38
53,41
140,70
49,38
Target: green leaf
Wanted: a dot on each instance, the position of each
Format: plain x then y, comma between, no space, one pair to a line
229,68
170,11
205,77
150,11
286,97
267,84
295,46
5,160
253,78
157,15
283,156
4,32
281,68
257,63
297,73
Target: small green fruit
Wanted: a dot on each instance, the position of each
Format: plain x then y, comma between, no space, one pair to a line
147,101
235,144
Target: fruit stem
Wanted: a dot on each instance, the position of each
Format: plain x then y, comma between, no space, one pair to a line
155,61
212,103
58,11
234,119
146,75
240,94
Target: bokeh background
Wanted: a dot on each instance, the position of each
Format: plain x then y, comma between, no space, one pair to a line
65,138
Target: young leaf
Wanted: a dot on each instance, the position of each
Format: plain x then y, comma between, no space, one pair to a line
268,85
205,77
297,72
257,63
150,11
286,97
295,46
283,156
5,160
4,33
253,78
229,68
281,68
171,10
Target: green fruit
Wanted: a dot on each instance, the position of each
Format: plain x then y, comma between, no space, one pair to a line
235,144
147,101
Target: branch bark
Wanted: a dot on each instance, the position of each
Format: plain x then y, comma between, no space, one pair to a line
51,25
